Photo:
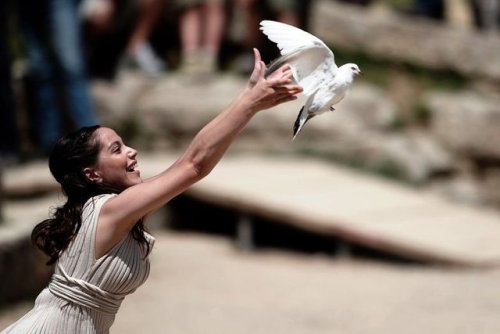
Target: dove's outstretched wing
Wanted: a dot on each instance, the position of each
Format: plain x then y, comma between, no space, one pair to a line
307,55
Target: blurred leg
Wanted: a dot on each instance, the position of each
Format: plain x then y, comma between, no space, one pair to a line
247,15
66,39
138,47
215,22
252,17
190,33
34,27
150,12
189,29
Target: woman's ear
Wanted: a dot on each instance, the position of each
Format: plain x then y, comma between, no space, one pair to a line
92,175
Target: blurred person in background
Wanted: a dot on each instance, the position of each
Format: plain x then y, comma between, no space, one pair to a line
486,14
56,70
201,29
9,132
286,11
118,34
247,15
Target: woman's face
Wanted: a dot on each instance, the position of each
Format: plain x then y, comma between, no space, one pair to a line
116,164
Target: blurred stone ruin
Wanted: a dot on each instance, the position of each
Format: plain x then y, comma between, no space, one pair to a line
425,111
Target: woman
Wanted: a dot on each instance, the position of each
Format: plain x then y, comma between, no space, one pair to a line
97,238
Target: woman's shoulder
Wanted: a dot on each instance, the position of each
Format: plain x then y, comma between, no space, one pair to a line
97,201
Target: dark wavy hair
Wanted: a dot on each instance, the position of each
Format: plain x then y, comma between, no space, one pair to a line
70,155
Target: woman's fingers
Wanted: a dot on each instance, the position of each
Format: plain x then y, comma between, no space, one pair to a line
257,69
256,54
294,89
283,70
284,94
283,79
280,81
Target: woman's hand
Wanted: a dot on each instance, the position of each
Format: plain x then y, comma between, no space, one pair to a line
268,92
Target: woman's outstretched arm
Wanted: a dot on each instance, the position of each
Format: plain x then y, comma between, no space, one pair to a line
210,144
120,213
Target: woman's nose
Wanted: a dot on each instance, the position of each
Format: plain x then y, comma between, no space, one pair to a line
132,152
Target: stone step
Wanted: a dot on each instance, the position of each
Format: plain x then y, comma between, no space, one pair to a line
335,201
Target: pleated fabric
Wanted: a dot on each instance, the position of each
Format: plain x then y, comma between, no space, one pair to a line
85,293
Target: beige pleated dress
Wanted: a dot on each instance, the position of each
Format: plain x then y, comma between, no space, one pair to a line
85,293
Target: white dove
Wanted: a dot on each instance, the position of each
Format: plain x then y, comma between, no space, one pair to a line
313,67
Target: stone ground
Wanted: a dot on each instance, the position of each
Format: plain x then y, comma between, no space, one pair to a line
203,284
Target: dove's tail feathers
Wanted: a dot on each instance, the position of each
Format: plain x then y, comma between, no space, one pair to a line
304,115
300,122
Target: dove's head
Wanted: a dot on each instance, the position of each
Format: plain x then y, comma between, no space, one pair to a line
353,68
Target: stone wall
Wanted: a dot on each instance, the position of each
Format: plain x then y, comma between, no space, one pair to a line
403,38
23,273
453,148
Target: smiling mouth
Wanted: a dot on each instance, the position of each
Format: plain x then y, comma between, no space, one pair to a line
132,168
